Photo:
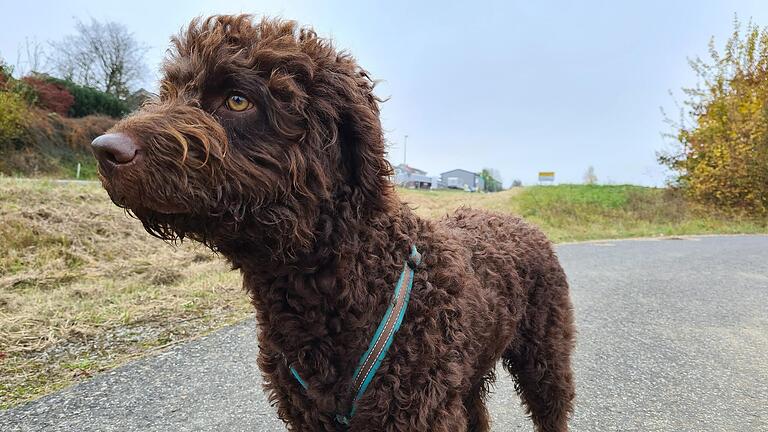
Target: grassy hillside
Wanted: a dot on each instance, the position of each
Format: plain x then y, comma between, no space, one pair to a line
53,146
83,288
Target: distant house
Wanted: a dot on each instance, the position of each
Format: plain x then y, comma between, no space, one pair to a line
462,179
137,98
403,168
410,177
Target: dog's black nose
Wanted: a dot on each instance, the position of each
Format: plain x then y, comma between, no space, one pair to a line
116,148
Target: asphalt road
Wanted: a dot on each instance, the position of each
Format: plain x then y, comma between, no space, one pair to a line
673,336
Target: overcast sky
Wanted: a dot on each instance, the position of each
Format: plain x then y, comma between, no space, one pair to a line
519,86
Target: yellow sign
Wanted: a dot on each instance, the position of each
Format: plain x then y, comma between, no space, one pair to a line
546,176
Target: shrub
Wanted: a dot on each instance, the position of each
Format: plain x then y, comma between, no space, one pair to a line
722,157
20,88
89,101
14,117
5,74
51,97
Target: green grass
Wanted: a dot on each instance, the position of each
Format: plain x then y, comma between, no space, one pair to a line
581,212
84,289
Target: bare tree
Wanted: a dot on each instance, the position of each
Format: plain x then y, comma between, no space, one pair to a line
589,176
30,57
102,55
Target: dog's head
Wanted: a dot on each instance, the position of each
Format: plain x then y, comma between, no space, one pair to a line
258,125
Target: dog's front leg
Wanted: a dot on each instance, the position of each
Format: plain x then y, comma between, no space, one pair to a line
293,407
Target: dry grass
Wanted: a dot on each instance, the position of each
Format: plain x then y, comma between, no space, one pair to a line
83,288
438,203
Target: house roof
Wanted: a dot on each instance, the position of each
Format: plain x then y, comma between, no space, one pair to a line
410,170
138,97
458,169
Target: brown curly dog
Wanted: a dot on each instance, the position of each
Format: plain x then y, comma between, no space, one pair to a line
265,144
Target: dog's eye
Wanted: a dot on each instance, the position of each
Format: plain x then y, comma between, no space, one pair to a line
238,103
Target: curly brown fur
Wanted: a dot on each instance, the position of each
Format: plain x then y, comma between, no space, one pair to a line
295,192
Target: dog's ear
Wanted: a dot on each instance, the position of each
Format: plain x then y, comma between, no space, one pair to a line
363,150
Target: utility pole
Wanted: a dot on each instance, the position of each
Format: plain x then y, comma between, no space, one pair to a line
405,149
